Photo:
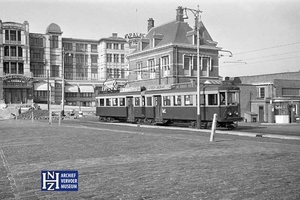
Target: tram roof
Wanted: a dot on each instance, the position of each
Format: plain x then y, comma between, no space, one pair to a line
173,90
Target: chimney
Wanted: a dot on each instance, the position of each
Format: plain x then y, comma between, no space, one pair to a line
179,14
115,34
150,24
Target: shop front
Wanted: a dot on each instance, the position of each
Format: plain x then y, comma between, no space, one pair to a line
17,89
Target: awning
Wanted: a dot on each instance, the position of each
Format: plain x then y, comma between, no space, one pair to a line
72,88
86,88
41,86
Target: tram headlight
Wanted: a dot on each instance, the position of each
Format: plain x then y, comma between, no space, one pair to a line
229,113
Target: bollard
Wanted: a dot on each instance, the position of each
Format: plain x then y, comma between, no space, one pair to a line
59,118
80,114
213,128
32,116
50,117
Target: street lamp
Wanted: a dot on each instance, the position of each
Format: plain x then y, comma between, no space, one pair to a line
63,83
197,28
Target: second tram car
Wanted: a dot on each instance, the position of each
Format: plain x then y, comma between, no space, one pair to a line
173,105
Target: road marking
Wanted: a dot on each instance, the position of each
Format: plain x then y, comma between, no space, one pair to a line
9,175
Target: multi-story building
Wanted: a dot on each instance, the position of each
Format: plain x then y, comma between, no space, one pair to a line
15,77
167,54
33,65
113,63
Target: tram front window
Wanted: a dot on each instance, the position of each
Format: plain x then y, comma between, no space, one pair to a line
232,98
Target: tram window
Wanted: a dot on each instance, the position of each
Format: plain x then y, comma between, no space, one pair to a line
122,101
188,100
222,98
115,101
212,99
108,102
143,101
149,101
167,100
232,98
137,101
101,103
177,100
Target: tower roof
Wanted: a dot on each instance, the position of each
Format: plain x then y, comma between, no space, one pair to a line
53,28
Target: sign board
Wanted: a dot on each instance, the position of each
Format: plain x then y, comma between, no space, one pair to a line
130,89
159,87
16,78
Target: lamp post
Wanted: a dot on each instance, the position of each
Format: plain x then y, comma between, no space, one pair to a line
197,28
63,83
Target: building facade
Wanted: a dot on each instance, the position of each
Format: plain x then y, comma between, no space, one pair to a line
16,82
45,67
167,55
272,96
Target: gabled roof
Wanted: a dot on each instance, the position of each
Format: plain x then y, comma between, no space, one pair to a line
175,32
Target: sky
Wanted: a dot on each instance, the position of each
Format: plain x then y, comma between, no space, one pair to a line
263,35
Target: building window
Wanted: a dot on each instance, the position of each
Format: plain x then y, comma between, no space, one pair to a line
94,72
122,58
6,51
108,45
54,71
122,73
6,34
151,66
109,57
6,68
81,47
13,35
116,46
13,51
165,65
139,67
205,61
86,94
54,42
187,65
116,58
38,70
261,92
71,94
20,68
122,46
69,72
67,46
94,48
94,59
13,68
20,52
290,91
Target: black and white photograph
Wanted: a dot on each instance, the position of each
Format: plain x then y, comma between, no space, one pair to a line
149,100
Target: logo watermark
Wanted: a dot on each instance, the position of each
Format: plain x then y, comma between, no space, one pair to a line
59,180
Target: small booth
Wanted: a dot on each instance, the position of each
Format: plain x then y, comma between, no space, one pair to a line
250,116
285,110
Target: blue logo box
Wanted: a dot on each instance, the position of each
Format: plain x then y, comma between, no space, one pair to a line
59,180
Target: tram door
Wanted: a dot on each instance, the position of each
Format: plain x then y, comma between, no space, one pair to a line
130,112
158,109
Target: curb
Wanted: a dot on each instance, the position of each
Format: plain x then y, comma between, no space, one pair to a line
237,133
